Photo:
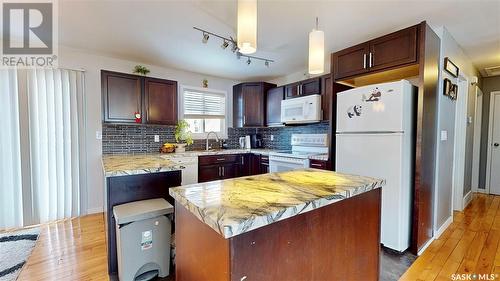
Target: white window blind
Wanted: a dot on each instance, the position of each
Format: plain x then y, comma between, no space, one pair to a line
199,104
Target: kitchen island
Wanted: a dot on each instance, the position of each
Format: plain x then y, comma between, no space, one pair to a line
297,225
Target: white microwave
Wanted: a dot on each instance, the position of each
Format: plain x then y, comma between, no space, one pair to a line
305,109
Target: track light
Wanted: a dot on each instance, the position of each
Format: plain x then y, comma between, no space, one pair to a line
238,55
266,63
224,44
205,38
234,48
249,61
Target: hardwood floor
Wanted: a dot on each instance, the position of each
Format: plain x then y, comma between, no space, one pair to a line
470,245
76,250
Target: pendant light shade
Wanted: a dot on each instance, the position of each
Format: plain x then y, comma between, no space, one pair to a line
247,26
316,51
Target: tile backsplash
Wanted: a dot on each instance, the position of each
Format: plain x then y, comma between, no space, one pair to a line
119,139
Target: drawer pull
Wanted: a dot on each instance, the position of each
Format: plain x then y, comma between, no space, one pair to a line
316,165
221,159
265,158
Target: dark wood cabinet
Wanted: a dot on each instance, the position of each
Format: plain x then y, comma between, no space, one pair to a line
125,189
218,167
125,94
326,95
259,164
121,96
386,52
273,106
160,98
351,61
209,173
249,104
292,90
264,164
319,164
306,87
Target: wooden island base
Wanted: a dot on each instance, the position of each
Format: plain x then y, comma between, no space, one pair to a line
340,241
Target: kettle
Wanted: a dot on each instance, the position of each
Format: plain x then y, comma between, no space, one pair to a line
245,142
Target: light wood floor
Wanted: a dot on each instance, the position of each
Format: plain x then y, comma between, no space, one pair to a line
469,245
76,250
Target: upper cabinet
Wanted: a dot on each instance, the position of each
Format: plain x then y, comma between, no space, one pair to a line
392,50
124,95
273,106
303,88
326,95
160,100
249,104
121,96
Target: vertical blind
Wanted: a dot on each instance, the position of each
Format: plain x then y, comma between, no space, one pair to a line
199,105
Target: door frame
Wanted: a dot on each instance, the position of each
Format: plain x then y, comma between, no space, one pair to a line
460,145
476,145
493,95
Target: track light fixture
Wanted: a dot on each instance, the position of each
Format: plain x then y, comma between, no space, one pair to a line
205,38
234,47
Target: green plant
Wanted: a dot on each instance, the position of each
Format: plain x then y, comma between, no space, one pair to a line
182,133
141,70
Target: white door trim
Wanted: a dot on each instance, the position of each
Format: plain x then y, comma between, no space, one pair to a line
476,144
493,96
460,144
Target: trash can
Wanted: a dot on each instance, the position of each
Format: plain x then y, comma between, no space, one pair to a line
143,239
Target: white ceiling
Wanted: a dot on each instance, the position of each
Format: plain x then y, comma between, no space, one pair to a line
160,32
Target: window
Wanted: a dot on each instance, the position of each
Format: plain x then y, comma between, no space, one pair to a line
204,110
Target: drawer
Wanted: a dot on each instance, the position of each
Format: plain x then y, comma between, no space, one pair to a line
264,159
319,164
217,159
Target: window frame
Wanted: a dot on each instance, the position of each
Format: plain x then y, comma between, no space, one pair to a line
199,136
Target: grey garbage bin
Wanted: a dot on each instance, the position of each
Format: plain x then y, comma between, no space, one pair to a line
143,239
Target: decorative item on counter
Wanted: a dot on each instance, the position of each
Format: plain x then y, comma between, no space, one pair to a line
205,83
138,118
140,69
450,67
167,148
182,136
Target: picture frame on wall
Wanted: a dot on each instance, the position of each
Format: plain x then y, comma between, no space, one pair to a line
450,67
449,89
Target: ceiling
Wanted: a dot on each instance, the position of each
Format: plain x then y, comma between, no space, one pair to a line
161,32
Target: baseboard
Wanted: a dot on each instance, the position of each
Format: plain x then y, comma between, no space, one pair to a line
94,210
480,190
467,199
425,246
443,227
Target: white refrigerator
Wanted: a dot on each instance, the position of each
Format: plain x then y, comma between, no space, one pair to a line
375,137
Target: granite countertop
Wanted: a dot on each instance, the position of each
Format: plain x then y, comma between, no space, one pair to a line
135,164
235,206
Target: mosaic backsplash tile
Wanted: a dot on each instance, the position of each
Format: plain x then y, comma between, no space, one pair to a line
120,139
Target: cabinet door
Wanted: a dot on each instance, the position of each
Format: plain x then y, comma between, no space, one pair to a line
229,171
351,61
160,101
209,173
326,95
253,105
292,90
273,105
310,87
237,106
121,97
394,49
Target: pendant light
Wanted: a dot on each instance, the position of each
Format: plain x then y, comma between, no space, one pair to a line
247,26
316,51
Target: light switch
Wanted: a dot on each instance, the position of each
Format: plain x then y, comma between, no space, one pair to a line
469,119
98,135
157,138
444,135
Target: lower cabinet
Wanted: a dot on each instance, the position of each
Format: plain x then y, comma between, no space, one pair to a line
125,189
259,164
320,164
219,167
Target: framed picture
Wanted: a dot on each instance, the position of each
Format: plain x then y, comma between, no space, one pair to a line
450,67
454,92
449,89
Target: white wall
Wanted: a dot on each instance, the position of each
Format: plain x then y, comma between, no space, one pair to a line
446,122
93,64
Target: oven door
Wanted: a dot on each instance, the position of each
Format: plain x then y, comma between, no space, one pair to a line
282,164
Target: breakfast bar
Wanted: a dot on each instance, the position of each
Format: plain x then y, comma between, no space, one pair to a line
296,225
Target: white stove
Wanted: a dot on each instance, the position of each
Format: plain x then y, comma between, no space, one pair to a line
303,147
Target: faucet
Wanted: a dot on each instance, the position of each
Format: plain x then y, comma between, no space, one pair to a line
208,135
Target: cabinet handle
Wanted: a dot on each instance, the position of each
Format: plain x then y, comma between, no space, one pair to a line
264,159
370,63
244,120
220,174
364,61
222,171
316,165
221,159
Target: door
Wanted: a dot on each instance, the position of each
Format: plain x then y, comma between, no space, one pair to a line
160,101
495,144
310,87
351,61
394,49
381,156
121,94
209,173
273,106
253,105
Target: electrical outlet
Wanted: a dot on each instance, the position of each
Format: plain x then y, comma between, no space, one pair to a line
272,137
444,135
157,138
98,135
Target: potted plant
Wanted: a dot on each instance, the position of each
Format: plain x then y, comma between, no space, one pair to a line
182,136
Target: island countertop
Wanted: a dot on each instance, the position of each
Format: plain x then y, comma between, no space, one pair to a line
235,206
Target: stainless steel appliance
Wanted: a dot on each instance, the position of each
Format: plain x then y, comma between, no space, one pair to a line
305,109
303,147
256,141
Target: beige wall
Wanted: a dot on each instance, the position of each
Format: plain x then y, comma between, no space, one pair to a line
93,64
